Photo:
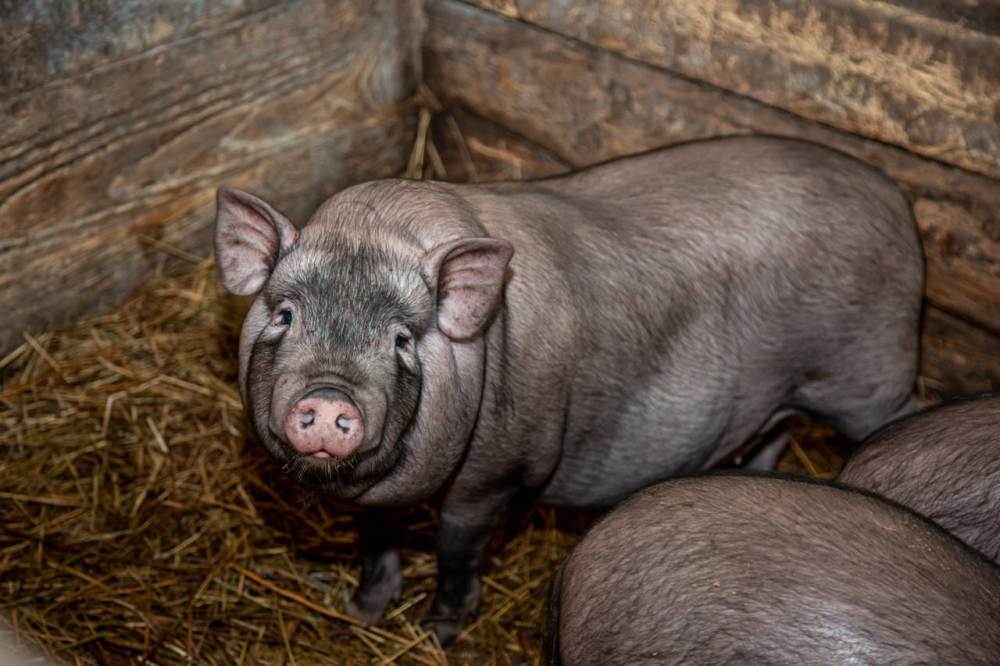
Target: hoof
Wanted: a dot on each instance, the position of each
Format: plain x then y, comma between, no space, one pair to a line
446,629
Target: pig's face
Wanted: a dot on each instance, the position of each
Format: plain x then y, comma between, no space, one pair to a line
332,352
333,378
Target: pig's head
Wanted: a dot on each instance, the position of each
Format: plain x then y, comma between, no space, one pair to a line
362,355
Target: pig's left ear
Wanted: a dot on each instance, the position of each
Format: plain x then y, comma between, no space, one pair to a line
469,274
249,237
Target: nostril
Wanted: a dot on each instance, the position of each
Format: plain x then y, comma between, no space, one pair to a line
344,423
309,418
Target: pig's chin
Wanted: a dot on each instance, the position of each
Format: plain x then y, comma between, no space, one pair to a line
344,478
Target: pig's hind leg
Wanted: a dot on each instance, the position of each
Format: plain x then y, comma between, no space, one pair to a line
765,457
862,390
761,453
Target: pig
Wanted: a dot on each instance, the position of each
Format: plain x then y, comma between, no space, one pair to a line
570,339
754,569
17,650
943,463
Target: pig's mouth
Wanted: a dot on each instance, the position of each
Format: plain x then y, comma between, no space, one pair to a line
344,478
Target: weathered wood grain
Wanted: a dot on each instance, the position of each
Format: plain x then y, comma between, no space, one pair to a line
587,105
41,41
979,15
963,259
293,101
913,74
956,357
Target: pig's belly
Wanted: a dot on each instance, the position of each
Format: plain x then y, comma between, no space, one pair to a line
590,479
662,437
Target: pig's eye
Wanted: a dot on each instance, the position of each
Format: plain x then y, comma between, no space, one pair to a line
402,342
285,317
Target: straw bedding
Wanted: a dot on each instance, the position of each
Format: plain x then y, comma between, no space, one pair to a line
139,524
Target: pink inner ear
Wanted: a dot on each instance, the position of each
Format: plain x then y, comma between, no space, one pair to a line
470,280
249,236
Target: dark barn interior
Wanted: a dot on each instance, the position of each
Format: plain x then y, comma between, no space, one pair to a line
139,522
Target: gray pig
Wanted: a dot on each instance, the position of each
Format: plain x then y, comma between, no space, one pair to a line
943,463
575,338
739,569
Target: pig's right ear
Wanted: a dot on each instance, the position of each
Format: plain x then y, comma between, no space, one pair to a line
249,236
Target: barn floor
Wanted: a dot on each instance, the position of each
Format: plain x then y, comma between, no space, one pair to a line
139,523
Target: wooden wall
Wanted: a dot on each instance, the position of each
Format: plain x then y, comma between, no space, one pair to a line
578,83
921,74
119,119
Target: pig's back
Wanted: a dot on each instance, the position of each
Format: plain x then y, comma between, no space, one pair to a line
724,220
738,569
754,205
944,464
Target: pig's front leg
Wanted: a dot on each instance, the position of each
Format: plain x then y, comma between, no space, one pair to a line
379,535
464,532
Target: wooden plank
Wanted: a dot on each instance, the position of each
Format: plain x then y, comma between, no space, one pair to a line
910,74
586,105
956,357
41,41
294,102
962,247
979,15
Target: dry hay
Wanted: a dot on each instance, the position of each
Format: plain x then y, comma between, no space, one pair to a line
140,525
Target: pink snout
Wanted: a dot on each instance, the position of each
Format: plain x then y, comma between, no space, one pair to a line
324,427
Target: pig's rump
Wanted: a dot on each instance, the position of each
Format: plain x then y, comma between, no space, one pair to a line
943,463
749,569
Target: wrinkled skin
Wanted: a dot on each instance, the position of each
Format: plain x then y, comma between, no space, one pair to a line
574,338
737,569
944,463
